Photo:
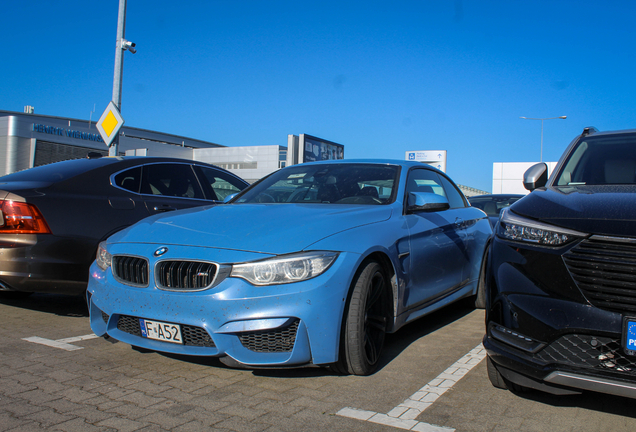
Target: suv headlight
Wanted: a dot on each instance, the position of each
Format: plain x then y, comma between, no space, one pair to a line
285,269
103,258
517,228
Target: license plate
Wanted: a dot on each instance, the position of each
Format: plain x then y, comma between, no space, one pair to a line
162,331
629,336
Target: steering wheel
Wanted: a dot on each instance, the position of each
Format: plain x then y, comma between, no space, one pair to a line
265,198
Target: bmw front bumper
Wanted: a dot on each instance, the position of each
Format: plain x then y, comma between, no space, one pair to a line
260,326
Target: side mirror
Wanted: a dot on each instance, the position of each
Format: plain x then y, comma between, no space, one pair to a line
426,201
229,198
535,177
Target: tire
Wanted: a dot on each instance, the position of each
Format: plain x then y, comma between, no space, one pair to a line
365,322
498,381
480,297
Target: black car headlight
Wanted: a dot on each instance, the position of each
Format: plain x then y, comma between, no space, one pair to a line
516,228
285,269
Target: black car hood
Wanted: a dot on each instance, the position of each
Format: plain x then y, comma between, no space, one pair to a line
604,210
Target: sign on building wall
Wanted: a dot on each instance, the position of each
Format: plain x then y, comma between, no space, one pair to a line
307,148
434,158
316,149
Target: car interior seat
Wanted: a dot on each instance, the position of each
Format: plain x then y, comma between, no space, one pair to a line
130,184
328,193
369,191
179,187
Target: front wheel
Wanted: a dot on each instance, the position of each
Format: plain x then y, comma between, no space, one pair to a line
498,381
480,297
365,323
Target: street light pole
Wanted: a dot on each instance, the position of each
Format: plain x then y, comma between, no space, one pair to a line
122,45
542,119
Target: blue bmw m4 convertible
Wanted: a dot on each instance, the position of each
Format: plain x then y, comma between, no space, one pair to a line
314,264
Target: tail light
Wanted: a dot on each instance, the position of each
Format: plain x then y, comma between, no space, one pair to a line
21,218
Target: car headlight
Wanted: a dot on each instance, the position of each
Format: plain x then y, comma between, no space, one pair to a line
103,258
517,228
285,269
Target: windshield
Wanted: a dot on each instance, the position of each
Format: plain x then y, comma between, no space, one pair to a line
601,160
493,205
327,184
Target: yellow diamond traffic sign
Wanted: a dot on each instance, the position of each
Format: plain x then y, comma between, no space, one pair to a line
109,123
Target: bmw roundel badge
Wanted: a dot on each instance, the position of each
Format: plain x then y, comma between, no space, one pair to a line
162,250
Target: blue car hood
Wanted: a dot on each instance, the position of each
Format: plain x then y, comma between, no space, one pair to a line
265,228
604,210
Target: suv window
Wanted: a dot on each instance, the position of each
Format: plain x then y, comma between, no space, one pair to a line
599,161
176,180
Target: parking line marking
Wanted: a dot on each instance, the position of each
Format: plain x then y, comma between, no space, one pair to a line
64,344
403,416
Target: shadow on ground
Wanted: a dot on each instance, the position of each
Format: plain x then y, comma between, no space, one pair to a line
57,304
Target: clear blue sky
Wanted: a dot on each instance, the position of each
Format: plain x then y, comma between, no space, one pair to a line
380,77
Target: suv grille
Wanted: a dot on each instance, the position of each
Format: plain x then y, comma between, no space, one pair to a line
193,336
590,352
278,340
604,269
185,275
130,270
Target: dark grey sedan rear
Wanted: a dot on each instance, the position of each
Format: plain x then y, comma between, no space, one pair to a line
53,217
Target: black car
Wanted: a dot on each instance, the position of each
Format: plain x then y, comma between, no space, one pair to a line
54,216
561,304
492,204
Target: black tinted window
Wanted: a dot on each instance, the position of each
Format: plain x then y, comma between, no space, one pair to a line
129,179
176,180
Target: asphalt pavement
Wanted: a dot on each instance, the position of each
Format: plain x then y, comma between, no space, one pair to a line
56,375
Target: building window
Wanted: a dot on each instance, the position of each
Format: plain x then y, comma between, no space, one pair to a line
237,165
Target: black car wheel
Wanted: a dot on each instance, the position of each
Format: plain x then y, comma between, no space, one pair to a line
365,324
480,297
498,381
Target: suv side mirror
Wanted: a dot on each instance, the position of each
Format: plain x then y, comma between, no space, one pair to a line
535,177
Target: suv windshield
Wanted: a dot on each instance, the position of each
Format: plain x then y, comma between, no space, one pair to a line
601,160
326,184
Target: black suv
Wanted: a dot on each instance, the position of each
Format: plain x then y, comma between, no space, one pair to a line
561,304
